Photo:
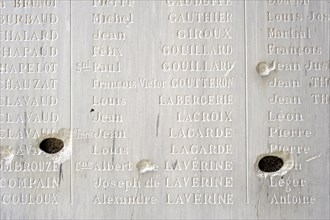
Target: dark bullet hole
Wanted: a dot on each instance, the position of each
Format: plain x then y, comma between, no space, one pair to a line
92,110
51,145
270,164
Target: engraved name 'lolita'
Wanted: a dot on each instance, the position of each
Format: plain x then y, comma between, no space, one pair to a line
28,35
28,84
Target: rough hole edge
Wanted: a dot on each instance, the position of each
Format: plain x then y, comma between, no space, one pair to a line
288,164
63,134
6,154
145,165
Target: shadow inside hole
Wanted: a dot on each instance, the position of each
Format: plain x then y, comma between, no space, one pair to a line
51,145
270,164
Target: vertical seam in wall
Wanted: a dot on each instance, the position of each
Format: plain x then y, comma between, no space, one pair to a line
246,108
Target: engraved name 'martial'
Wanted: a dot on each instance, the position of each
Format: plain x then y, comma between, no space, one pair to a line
28,19
12,101
30,183
201,17
29,199
197,66
199,198
28,84
298,32
115,18
40,51
209,149
28,35
225,132
45,68
29,117
196,100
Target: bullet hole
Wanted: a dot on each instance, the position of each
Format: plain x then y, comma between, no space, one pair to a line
51,145
270,164
91,110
